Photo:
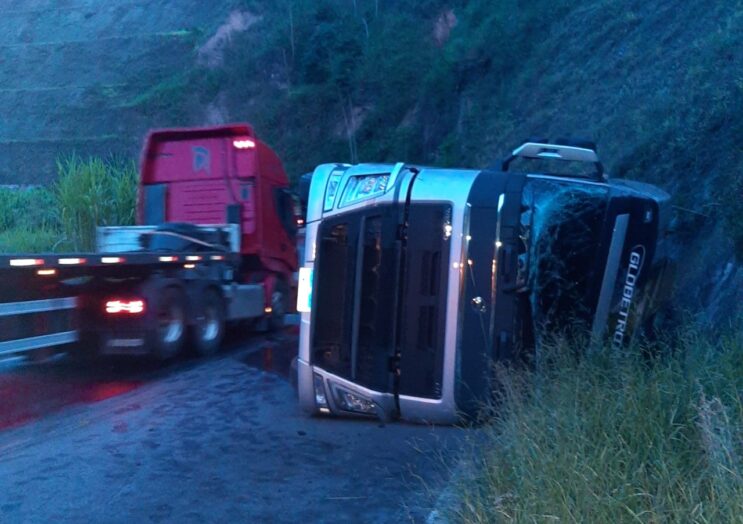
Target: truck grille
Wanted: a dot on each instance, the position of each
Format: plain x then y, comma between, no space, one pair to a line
357,315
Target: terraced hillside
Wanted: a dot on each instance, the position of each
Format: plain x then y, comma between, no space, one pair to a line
74,75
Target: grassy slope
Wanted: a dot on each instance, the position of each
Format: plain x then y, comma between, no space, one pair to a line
607,439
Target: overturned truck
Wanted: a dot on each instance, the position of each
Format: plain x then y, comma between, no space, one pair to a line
417,279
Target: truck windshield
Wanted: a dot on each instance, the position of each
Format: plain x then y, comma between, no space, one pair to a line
561,229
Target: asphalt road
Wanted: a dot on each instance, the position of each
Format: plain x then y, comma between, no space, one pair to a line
217,440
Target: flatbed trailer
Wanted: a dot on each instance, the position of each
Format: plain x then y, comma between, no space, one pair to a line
123,303
216,244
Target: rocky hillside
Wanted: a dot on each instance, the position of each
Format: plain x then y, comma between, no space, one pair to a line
659,86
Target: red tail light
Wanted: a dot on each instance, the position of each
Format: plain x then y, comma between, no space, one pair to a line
131,307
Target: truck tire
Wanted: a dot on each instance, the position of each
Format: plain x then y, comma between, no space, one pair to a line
169,333
209,324
85,350
279,305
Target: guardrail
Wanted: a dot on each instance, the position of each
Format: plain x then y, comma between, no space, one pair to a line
36,324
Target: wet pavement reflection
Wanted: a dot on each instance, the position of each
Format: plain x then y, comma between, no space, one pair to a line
30,391
275,354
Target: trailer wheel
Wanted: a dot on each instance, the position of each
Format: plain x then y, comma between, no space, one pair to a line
170,330
209,325
279,303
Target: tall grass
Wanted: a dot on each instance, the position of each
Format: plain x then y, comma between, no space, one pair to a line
607,438
93,192
88,193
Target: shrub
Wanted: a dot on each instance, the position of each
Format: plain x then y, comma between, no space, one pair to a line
28,220
26,208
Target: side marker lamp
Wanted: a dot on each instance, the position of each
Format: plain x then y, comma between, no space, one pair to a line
321,399
447,230
71,261
26,262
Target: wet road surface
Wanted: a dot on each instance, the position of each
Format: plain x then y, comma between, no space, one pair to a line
216,440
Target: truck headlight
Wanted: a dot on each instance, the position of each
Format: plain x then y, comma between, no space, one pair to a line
362,187
331,190
350,401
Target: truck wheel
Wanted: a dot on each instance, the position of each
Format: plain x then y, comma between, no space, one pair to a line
85,351
170,318
209,325
279,302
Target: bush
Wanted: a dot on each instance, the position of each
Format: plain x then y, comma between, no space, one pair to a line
28,220
609,438
26,208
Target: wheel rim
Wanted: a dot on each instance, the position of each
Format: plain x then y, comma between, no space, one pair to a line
210,324
171,324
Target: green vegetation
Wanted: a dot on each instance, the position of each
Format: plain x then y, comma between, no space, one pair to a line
27,220
89,193
450,82
607,438
92,193
168,96
454,82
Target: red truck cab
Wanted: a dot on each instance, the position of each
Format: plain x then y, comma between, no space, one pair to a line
219,175
215,244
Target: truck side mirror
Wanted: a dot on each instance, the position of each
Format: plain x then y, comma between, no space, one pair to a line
299,211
